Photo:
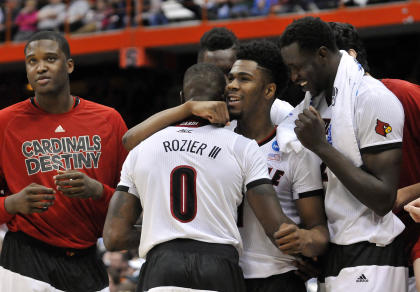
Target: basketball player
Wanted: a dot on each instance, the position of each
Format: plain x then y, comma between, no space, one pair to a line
60,157
188,180
365,253
254,80
347,38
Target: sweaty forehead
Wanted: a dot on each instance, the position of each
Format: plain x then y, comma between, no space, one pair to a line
294,54
290,51
44,46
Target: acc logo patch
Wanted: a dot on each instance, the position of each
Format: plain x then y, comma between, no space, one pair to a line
382,128
275,146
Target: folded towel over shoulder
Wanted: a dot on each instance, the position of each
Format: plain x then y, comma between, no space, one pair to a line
341,131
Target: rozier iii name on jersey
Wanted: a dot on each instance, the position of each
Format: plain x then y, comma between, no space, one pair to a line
191,146
62,153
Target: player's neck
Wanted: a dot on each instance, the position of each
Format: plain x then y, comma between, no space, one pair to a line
255,128
55,104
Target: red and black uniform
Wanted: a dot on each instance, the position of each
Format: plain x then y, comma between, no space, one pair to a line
409,96
34,144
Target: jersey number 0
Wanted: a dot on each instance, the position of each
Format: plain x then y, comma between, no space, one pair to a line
183,193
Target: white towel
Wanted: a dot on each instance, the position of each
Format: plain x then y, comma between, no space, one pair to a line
346,87
342,136
285,135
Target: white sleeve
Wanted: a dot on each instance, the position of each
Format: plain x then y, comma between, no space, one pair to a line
253,164
307,180
127,182
279,110
379,119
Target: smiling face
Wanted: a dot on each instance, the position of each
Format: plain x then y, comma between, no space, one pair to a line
47,67
306,69
245,89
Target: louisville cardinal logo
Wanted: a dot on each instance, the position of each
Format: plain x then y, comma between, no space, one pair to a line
382,128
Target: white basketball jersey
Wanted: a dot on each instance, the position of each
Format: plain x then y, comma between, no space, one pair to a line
190,180
293,175
378,122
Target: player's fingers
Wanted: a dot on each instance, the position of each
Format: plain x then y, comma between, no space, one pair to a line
40,190
284,230
220,113
304,118
226,111
68,174
299,124
69,183
219,116
72,191
288,239
42,205
43,197
415,203
310,114
289,248
315,112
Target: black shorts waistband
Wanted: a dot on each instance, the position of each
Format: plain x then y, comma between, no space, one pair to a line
190,245
364,254
23,238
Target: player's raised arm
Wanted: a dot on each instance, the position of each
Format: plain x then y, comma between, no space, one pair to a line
214,111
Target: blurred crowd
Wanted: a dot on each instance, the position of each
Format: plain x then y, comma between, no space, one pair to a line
86,16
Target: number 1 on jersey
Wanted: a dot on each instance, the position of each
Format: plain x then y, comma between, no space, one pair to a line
183,193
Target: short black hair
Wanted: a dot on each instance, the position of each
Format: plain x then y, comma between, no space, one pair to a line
51,35
217,38
267,55
208,79
310,33
346,38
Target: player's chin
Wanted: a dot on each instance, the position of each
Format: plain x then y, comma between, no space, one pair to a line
234,114
44,89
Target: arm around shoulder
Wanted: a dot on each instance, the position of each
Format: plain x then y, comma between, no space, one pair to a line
214,111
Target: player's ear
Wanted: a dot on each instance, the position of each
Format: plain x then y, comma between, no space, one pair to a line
70,65
270,90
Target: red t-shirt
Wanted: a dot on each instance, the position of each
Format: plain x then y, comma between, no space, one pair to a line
34,144
409,96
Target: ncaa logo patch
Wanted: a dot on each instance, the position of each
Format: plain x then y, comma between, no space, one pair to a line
275,146
382,128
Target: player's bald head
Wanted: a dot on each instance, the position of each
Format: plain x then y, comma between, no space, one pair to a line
204,82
